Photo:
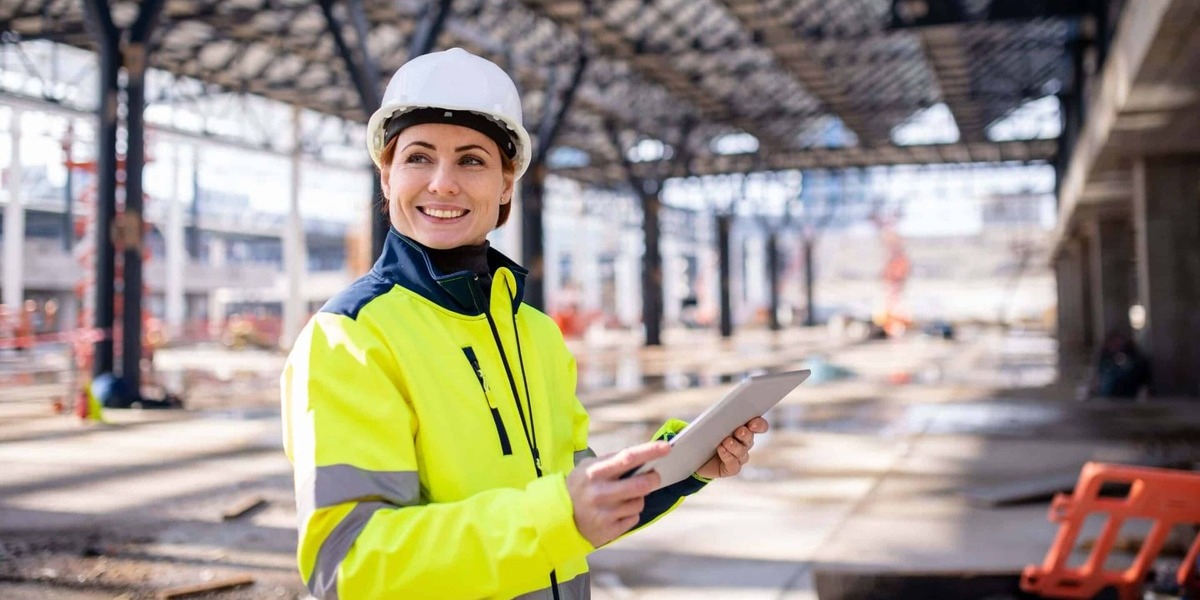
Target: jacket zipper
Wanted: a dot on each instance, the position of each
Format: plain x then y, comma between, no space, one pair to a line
505,446
512,383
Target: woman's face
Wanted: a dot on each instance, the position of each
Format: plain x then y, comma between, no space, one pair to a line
445,185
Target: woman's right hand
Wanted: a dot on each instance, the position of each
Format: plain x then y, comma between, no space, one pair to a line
607,506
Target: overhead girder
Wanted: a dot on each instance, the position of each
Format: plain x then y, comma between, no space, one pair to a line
657,68
654,61
835,158
798,57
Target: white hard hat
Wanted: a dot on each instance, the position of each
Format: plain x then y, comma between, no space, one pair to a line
453,80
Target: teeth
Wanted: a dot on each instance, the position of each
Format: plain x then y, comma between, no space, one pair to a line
444,214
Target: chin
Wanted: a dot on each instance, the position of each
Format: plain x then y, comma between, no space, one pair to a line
444,242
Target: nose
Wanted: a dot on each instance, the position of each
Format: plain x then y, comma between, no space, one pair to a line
442,181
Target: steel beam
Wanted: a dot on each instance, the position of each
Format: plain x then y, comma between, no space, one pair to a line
773,279
647,190
533,190
724,239
833,158
949,62
433,20
810,308
365,75
99,16
132,226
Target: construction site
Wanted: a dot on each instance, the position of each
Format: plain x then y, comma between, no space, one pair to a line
975,222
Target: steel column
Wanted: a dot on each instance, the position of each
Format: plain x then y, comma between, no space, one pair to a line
773,279
132,225
810,308
99,16
724,240
533,192
433,20
652,295
14,224
68,221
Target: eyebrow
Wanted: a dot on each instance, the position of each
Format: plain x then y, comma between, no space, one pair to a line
458,149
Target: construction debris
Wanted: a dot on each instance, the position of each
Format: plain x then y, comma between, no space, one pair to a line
204,588
244,506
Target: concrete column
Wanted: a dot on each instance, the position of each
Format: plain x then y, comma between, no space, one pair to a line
1073,322
1166,216
14,221
176,250
294,256
1111,274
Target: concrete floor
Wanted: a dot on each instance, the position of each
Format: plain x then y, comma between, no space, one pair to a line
865,473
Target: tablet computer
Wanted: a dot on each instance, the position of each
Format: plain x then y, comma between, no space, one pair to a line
697,443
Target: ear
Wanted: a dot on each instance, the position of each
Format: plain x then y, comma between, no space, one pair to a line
507,193
385,180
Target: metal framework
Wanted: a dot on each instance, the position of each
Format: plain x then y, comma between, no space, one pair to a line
775,69
816,83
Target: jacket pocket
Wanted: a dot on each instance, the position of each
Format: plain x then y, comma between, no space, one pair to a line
505,446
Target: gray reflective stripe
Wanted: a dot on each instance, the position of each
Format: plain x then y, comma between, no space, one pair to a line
335,484
584,454
322,582
579,588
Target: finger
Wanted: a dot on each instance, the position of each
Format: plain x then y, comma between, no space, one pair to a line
629,507
735,446
743,435
730,464
621,490
614,466
738,450
758,425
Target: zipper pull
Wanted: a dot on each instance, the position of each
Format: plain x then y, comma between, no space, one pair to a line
482,381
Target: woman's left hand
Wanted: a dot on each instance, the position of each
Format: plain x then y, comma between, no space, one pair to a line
734,451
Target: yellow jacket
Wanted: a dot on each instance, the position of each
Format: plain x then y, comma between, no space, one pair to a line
430,434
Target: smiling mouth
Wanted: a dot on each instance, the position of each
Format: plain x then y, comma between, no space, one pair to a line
442,214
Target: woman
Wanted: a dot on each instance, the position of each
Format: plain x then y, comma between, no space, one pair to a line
431,419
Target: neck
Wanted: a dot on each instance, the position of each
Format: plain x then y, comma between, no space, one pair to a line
471,258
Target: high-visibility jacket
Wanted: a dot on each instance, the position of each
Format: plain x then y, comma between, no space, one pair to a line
430,434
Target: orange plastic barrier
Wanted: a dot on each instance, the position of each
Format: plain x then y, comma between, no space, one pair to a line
1163,496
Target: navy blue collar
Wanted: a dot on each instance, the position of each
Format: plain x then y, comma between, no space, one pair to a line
406,263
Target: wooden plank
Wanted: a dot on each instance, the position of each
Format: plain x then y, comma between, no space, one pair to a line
244,506
218,585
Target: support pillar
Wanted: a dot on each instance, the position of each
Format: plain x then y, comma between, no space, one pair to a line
100,18
295,261
724,239
1073,320
1111,266
773,280
810,306
133,223
652,291
1166,216
176,308
533,236
14,224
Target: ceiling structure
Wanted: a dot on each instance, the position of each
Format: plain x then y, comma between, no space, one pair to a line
817,83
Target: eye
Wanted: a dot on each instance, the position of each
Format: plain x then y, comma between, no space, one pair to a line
471,160
417,157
